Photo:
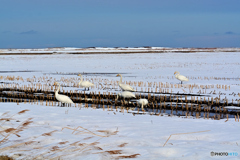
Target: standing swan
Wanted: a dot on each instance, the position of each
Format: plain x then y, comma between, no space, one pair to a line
142,102
124,87
126,94
180,77
85,84
60,97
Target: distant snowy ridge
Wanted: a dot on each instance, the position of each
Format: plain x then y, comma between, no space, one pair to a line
102,50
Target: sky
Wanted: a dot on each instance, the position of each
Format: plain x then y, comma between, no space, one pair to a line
119,23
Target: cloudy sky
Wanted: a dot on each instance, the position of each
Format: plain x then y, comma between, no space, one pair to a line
119,23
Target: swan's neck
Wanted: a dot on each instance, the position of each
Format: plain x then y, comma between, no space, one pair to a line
56,93
176,75
120,79
80,80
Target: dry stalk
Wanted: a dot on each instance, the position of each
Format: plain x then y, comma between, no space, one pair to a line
20,112
183,133
79,150
18,129
88,131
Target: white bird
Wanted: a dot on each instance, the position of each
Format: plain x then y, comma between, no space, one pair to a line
126,94
180,77
60,97
124,87
85,84
142,102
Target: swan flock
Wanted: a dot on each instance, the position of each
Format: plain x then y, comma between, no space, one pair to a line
126,90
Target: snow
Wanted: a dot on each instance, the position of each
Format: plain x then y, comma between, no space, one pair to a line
100,133
141,134
67,50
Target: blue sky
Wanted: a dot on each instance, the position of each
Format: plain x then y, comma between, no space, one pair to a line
115,23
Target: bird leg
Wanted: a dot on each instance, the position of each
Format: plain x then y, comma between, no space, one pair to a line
124,102
181,84
142,108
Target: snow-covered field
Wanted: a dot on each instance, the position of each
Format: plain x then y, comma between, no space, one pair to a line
102,50
52,132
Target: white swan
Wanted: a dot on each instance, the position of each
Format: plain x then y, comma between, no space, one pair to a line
126,94
142,102
85,84
124,87
60,97
180,77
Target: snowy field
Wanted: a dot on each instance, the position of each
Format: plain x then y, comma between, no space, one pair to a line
37,131
120,50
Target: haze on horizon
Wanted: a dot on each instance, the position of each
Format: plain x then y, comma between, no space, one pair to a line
115,23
